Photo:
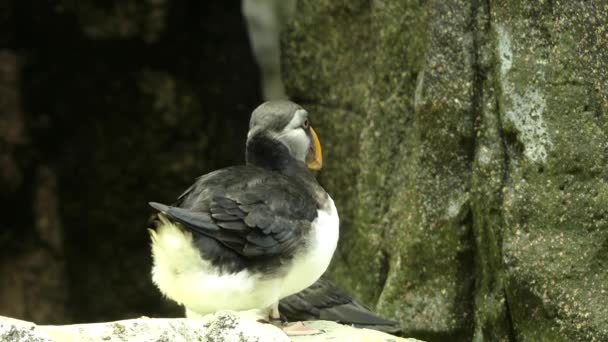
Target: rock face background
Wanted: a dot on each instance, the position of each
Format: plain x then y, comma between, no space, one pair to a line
466,148
105,106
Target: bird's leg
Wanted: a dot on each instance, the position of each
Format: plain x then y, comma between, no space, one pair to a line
271,315
274,312
291,329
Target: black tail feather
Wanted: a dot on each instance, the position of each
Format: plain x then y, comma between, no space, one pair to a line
196,221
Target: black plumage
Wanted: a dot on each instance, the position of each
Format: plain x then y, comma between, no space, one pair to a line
255,213
326,301
243,237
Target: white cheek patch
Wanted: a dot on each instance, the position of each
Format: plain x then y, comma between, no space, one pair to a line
297,142
294,137
298,118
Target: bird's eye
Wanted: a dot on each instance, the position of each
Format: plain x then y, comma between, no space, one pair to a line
305,124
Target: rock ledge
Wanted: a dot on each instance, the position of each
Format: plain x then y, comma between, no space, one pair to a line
223,326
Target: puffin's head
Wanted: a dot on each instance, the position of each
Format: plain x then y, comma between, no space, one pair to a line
288,124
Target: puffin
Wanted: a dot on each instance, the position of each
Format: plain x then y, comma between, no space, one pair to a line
324,300
242,238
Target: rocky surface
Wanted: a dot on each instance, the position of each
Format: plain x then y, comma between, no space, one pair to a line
466,151
465,147
223,326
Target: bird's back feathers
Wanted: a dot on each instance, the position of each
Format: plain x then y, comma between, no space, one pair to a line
252,212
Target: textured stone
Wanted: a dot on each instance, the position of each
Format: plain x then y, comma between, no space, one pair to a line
551,70
403,195
467,155
223,326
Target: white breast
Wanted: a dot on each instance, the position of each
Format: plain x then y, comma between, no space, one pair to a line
182,275
310,264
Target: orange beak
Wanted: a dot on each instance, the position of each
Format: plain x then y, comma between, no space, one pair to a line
315,155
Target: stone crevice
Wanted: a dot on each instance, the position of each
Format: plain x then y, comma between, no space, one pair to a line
483,68
511,331
478,80
505,161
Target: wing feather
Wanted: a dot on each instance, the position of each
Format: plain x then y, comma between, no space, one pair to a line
253,212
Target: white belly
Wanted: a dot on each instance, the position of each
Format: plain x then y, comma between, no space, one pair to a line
182,275
308,267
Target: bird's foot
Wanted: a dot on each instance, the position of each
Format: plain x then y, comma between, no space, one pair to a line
274,312
300,329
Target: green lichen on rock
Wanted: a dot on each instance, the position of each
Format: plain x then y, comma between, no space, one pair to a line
394,242
473,134
556,191
337,107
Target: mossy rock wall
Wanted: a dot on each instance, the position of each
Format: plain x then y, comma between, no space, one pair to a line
466,149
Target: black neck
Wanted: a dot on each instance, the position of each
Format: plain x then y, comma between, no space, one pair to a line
267,153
